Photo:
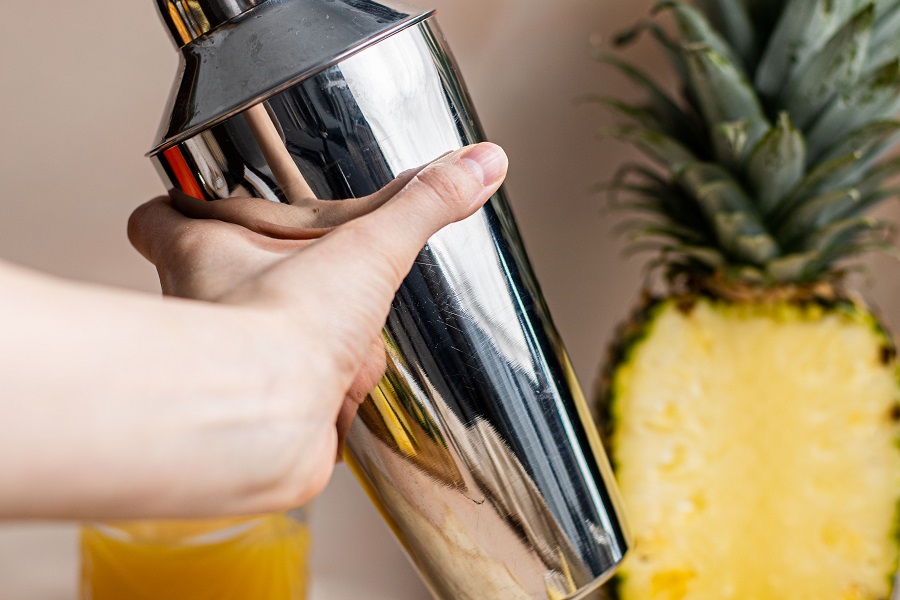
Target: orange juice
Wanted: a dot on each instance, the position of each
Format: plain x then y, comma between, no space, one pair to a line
259,558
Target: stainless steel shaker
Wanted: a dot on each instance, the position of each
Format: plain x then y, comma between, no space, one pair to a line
477,446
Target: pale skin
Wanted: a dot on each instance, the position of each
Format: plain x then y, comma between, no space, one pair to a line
232,395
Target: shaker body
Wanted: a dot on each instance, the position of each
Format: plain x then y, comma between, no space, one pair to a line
477,446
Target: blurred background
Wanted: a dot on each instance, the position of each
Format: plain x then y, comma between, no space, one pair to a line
83,86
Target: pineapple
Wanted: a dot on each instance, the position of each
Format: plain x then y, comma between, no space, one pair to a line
752,411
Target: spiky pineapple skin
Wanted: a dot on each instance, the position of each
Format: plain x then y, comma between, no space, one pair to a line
756,447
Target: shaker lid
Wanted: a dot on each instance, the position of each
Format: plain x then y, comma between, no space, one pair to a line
189,19
236,53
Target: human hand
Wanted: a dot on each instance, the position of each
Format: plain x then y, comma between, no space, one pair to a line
317,291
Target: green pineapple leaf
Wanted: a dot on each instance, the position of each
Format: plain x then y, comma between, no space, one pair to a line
826,176
872,200
732,18
641,230
840,241
659,195
724,95
660,147
639,115
883,7
669,46
661,103
641,171
777,164
873,181
830,71
885,44
814,215
730,213
709,257
790,268
874,98
800,31
694,29
844,166
828,242
764,16
863,141
730,142
647,199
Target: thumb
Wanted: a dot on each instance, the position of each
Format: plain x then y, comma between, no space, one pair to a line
385,243
359,267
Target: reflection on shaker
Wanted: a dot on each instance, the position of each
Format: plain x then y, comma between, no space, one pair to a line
491,488
280,161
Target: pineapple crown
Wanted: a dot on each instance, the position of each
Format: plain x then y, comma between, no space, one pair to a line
772,156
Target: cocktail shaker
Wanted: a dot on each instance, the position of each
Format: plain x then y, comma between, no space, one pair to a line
477,447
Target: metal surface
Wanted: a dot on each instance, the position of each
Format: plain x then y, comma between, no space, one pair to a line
187,20
266,50
477,446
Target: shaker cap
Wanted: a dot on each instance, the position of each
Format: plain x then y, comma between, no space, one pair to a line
187,20
236,53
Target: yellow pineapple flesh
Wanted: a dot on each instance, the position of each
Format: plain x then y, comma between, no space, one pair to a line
756,446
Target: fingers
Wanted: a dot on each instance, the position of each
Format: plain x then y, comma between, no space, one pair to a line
308,220
359,267
368,377
344,422
370,374
203,260
272,219
156,225
384,244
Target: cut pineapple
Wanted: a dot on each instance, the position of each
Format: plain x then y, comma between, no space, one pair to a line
753,414
756,450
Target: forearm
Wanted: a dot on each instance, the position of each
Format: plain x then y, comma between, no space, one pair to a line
110,401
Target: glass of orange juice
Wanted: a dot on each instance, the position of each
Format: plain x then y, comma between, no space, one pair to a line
258,558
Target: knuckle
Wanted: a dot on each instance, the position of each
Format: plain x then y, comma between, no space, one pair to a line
447,183
300,485
295,461
189,241
137,222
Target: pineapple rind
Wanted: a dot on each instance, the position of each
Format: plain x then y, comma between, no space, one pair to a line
868,579
628,337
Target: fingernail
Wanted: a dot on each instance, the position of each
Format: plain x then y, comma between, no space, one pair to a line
487,162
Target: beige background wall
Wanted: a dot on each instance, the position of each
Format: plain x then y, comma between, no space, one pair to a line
82,86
